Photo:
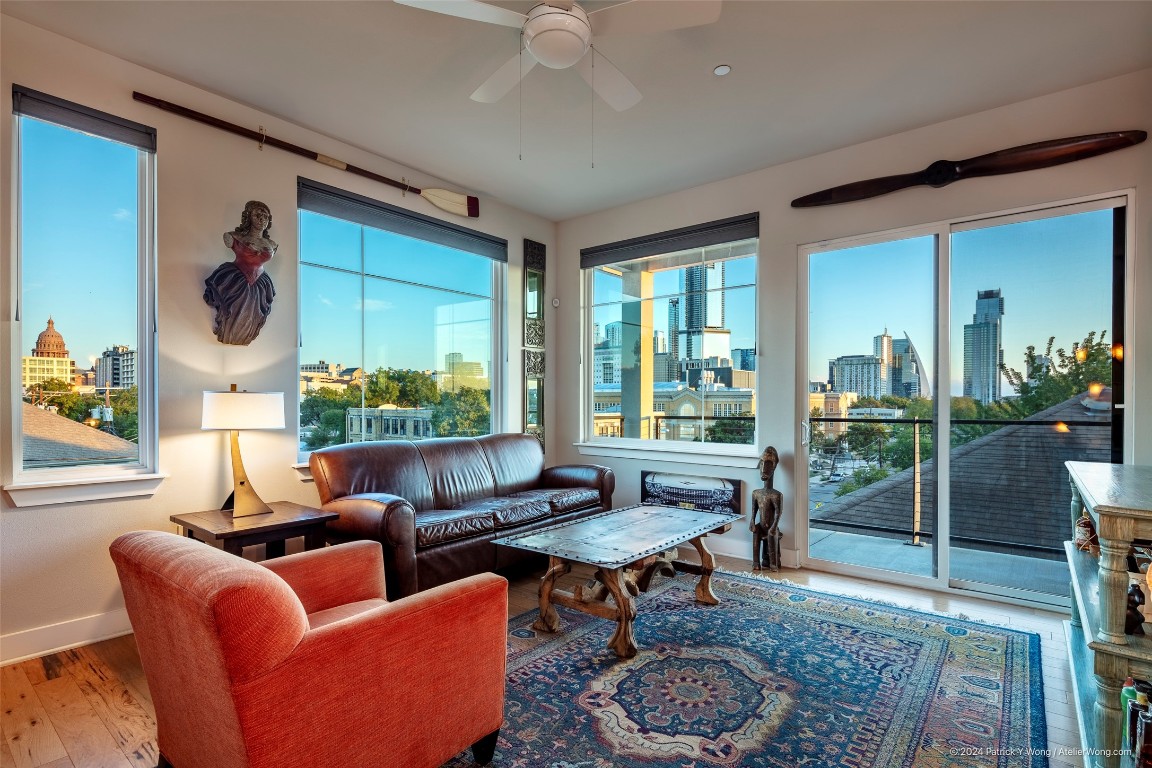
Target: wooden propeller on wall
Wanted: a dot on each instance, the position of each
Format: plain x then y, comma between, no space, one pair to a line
941,173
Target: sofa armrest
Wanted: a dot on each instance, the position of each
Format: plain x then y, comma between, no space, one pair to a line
326,578
387,519
582,476
373,675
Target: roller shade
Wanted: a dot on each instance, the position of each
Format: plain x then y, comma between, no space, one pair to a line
696,236
41,106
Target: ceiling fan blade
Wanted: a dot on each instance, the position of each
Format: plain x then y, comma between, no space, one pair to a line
641,17
608,82
505,79
1028,157
470,9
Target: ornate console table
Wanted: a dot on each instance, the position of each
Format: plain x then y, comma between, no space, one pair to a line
1119,499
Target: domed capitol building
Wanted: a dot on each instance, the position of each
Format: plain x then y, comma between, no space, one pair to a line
49,360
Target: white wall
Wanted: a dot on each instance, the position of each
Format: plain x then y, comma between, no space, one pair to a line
59,586
1121,103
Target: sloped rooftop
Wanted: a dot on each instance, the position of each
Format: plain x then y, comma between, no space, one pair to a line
53,440
1009,487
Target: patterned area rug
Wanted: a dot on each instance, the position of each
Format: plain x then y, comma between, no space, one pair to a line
777,676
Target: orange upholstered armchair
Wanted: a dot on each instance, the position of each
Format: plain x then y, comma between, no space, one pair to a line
301,661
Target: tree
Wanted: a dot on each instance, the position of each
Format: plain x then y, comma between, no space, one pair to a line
1046,381
463,413
866,439
325,399
331,429
125,413
900,449
860,478
816,429
415,388
731,430
380,389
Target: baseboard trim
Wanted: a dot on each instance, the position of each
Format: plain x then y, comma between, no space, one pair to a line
41,641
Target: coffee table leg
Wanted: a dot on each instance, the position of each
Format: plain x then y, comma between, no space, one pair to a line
623,641
704,592
548,620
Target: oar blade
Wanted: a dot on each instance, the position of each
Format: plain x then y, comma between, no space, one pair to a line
453,202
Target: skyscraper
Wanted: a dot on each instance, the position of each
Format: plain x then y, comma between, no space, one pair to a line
882,349
703,289
908,378
673,360
983,353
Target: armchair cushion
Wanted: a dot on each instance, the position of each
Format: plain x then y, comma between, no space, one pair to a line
330,577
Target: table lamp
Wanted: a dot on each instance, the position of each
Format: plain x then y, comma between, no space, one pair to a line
235,411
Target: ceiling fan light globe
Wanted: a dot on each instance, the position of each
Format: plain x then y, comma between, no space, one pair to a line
556,37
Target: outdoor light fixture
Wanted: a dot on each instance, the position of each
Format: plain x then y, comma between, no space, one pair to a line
235,411
558,38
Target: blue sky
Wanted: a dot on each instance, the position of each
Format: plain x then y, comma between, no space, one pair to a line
420,302
1054,275
79,239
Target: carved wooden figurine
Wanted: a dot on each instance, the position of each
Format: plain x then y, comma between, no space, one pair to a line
1133,619
768,504
241,291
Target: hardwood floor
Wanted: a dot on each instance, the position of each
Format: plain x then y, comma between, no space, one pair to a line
89,707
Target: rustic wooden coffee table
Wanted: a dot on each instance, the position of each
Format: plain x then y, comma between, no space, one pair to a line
627,546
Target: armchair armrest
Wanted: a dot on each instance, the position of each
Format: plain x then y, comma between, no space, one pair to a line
398,660
326,578
387,519
581,476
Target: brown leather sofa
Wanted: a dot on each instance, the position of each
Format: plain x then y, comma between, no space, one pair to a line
436,505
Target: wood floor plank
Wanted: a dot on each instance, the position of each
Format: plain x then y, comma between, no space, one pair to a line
125,718
83,733
28,731
123,658
6,759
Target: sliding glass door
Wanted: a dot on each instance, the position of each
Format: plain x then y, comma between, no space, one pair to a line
1003,336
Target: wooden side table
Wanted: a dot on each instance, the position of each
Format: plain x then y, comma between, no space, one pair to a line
287,520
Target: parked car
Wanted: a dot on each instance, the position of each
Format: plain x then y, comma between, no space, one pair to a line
835,478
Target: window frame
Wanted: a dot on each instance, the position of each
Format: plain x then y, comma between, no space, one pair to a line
324,200
89,482
704,235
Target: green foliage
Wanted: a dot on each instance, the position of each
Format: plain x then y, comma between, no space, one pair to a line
331,429
1068,374
866,439
403,388
861,478
816,428
725,431
325,399
464,413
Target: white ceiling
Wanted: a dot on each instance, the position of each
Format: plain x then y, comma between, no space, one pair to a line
808,76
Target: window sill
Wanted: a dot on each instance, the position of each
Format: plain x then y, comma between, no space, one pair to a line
304,471
739,457
62,491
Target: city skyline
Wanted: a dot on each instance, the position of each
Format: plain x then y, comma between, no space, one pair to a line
1055,274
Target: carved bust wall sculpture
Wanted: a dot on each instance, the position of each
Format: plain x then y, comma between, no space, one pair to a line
241,291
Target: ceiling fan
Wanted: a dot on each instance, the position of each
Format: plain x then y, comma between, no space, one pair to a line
558,34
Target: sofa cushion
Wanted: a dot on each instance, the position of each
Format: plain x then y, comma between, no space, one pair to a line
563,500
437,526
508,512
457,470
516,460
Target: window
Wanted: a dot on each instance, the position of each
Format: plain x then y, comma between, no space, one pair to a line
85,273
399,322
672,324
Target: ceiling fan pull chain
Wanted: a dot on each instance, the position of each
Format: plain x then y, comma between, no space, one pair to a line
520,97
592,87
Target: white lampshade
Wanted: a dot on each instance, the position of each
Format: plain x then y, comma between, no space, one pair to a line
243,410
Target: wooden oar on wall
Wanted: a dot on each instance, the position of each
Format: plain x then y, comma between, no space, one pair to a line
453,202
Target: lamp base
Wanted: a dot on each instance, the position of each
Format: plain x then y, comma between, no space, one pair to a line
245,501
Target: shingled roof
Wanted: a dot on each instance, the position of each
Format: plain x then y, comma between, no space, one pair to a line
52,440
1009,487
